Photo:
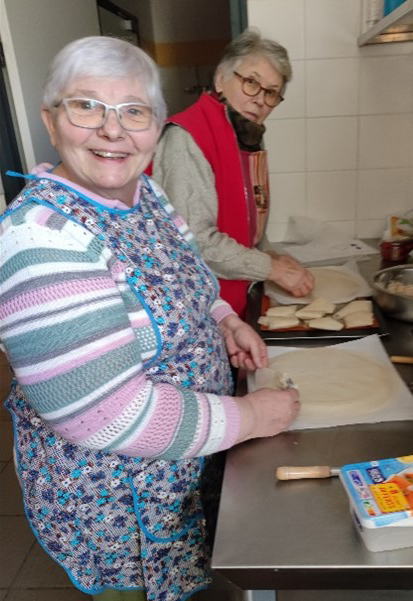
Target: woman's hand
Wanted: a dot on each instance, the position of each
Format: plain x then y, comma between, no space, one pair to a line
267,412
244,346
290,275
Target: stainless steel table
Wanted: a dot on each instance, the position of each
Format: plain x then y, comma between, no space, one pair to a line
300,534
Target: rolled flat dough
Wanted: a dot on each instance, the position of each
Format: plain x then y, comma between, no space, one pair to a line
333,381
334,285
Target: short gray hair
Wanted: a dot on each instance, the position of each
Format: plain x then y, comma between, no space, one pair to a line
102,56
251,43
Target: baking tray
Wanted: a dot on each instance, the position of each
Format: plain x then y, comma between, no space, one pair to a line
301,332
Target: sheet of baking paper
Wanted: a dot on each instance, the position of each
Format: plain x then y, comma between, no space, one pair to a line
320,243
399,408
359,287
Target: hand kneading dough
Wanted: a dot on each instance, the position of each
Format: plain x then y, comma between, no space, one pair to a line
281,311
357,305
335,381
325,323
359,319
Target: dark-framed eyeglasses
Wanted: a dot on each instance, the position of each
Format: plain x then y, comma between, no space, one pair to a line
92,114
251,87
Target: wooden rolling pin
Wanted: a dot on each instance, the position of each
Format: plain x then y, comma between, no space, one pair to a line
400,359
312,471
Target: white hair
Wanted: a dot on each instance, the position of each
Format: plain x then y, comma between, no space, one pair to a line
251,43
102,56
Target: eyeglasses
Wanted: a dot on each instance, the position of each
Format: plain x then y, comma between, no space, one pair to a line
92,114
251,87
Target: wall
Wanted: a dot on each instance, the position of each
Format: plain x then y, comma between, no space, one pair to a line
185,38
30,39
341,145
188,40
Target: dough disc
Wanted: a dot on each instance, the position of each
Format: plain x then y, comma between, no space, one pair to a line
336,382
334,285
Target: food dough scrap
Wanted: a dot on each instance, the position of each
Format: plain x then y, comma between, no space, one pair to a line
266,377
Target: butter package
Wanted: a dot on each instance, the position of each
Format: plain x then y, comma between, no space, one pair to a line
381,501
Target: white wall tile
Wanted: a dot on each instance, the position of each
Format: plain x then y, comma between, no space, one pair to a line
385,141
371,228
332,28
280,232
382,192
332,87
345,227
386,84
331,143
280,20
285,142
288,197
332,195
341,146
294,102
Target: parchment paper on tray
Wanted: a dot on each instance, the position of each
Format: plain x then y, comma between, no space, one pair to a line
339,283
320,243
355,382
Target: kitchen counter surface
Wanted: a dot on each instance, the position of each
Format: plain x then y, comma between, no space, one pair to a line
299,534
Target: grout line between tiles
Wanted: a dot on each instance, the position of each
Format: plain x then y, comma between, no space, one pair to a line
23,562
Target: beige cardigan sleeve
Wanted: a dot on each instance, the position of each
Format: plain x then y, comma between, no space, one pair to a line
181,169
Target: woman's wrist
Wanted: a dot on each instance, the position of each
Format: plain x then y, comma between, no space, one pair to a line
247,417
230,322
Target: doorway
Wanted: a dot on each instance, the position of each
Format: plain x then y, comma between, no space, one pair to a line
188,40
10,156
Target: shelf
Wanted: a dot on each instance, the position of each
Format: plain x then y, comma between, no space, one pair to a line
394,27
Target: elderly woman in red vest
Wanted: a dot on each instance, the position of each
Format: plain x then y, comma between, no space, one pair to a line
211,163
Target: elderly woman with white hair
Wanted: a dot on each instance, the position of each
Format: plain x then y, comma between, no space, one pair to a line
119,342
211,163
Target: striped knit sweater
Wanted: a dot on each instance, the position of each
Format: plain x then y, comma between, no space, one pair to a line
67,310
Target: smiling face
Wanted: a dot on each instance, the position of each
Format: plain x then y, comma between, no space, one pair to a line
108,160
252,107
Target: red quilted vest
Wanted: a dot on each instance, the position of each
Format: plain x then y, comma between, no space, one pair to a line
207,122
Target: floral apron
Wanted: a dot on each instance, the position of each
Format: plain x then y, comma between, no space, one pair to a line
109,520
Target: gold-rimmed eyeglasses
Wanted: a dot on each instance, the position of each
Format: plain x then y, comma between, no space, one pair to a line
92,114
251,87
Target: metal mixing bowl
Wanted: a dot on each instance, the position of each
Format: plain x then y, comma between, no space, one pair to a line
395,305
